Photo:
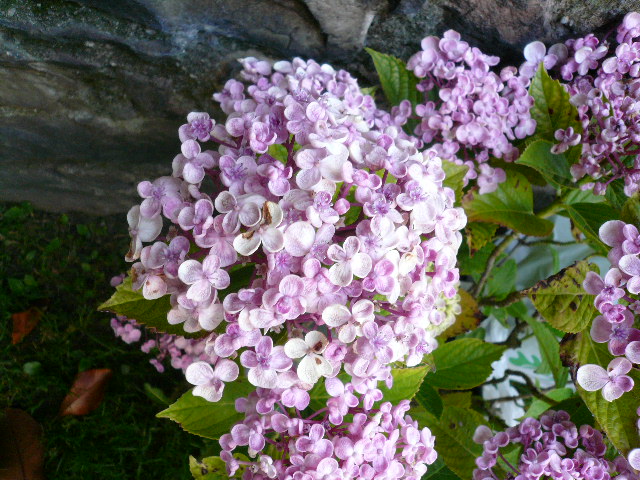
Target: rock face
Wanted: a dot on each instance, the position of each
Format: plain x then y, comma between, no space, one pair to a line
92,92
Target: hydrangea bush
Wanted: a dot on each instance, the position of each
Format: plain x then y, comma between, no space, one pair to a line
325,265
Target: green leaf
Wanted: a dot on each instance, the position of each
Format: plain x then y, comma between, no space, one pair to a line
454,177
588,217
615,194
538,407
562,301
457,399
352,215
549,349
438,470
279,152
479,234
474,265
210,420
569,197
463,364
551,109
554,168
454,431
429,398
152,313
631,210
502,280
397,82
511,205
369,90
575,406
618,419
157,395
240,278
210,468
406,382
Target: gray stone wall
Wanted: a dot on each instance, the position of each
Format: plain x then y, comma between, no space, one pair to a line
92,91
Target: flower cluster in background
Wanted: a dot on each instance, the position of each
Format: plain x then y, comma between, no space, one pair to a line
179,351
616,300
310,243
474,113
552,447
314,238
602,78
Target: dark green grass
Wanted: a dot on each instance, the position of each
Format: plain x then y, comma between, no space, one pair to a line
62,265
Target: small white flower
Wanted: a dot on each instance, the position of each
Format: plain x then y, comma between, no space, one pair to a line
141,229
313,365
349,260
265,233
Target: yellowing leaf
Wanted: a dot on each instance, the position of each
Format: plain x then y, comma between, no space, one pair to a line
562,301
468,319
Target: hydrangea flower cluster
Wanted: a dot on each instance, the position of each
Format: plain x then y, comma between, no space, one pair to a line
180,351
552,447
603,79
618,303
313,238
476,113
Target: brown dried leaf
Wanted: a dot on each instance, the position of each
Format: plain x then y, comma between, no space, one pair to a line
22,456
23,323
87,392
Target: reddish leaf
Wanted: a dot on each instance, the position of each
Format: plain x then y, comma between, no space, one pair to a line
23,323
22,455
87,392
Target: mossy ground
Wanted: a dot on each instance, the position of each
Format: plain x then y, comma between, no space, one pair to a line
62,264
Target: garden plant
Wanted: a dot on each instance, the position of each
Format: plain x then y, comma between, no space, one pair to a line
337,279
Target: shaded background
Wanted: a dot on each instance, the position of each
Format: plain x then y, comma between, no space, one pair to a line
92,91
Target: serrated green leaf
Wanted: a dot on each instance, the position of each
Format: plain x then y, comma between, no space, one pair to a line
631,210
502,280
208,419
157,395
615,194
352,215
240,276
279,152
549,347
511,205
152,313
369,90
554,168
463,364
580,196
438,470
429,399
454,431
551,109
479,234
562,300
575,406
397,82
406,382
474,265
538,406
618,419
457,399
454,177
588,217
